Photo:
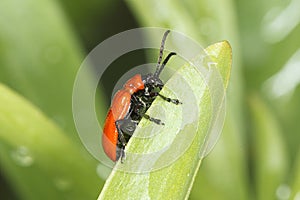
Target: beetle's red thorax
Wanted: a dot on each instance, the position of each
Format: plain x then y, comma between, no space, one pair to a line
134,84
121,101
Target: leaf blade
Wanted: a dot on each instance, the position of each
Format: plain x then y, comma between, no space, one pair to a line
173,181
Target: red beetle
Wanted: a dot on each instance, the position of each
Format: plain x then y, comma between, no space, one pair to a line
129,106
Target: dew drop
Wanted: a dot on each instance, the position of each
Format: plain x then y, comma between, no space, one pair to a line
22,156
62,184
283,192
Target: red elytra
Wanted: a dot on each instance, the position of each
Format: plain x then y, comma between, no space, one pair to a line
119,109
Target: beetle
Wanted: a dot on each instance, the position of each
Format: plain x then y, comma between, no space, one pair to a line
129,106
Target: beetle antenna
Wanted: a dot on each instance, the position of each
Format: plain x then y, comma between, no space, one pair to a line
161,50
160,68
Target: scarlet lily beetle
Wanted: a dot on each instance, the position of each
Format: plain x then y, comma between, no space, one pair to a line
129,106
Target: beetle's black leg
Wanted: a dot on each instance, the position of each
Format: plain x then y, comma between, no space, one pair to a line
121,139
125,128
122,154
128,126
156,121
121,136
175,101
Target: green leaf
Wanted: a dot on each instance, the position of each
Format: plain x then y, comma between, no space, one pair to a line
37,158
166,12
224,175
221,54
269,151
39,56
295,182
170,174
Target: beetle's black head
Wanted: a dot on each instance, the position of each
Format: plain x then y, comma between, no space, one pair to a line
152,81
152,85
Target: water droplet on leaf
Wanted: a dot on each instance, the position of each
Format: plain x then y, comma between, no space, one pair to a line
22,156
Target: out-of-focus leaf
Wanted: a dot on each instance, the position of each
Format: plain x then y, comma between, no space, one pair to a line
39,56
270,39
173,181
295,180
270,160
90,18
37,158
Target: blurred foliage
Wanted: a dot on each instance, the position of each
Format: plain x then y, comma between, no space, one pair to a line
39,59
42,44
268,150
36,164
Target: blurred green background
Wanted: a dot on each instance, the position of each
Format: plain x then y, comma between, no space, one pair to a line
42,44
